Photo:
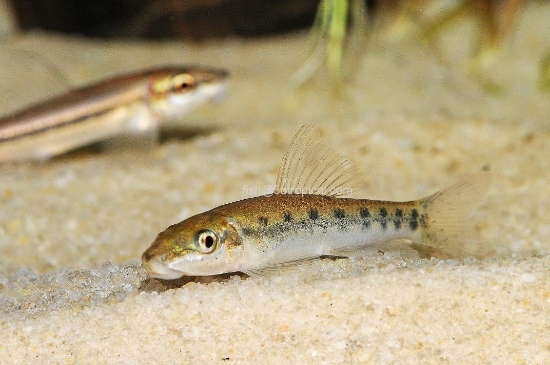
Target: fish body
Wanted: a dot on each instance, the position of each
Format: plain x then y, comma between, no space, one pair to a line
133,103
285,228
269,234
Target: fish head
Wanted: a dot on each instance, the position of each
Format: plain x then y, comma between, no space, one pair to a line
205,244
177,91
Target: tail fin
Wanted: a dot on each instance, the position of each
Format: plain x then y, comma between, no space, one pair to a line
449,227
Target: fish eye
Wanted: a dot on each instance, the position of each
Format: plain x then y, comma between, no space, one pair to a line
207,241
183,82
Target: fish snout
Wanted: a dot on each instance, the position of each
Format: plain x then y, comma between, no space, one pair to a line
158,268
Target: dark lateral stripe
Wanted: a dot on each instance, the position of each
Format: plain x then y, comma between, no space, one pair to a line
339,213
383,212
33,131
263,221
364,213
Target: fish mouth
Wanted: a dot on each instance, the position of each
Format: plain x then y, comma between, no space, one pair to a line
215,93
159,270
221,93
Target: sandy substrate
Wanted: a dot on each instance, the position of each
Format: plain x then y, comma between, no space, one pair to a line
72,230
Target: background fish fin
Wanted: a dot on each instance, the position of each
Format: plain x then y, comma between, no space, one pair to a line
449,227
310,167
283,268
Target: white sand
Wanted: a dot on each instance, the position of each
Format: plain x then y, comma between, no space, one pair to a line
69,227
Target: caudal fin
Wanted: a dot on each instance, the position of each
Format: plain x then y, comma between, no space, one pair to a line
449,227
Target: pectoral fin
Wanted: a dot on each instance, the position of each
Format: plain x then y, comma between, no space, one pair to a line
283,268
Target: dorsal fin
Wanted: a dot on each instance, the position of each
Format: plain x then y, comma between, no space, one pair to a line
310,167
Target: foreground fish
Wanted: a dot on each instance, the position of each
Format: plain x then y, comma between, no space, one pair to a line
305,219
134,103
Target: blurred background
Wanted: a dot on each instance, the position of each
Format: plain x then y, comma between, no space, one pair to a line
163,19
202,19
483,49
331,21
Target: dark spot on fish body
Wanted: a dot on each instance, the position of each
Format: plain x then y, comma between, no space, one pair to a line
339,213
263,221
365,214
287,217
313,214
398,219
413,223
397,223
366,224
383,215
247,231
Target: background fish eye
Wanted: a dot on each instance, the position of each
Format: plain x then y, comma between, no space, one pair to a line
183,82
